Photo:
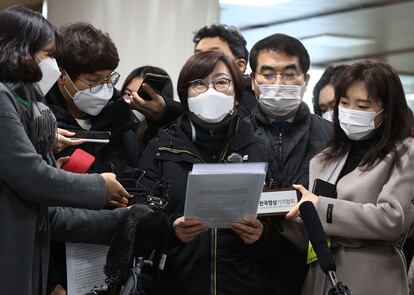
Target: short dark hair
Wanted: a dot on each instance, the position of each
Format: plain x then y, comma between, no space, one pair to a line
284,43
86,49
230,35
23,32
168,91
199,66
328,77
384,86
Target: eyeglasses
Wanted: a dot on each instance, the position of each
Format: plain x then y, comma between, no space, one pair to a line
271,78
200,86
111,81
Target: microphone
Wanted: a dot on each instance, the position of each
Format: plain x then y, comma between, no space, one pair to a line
234,158
317,237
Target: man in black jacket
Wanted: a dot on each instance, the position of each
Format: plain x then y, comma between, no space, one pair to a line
85,98
279,78
231,42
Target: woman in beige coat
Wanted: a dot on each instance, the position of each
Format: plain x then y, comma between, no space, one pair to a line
371,162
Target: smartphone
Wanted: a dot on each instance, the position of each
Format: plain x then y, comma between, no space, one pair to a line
79,162
92,136
157,82
324,188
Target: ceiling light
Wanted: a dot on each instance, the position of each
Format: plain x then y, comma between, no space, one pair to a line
257,3
330,40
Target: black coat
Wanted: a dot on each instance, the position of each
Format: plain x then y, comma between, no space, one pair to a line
291,149
123,149
217,259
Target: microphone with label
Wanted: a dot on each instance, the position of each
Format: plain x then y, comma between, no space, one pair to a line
317,238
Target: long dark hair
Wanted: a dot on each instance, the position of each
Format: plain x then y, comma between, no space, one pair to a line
168,90
328,77
383,86
23,32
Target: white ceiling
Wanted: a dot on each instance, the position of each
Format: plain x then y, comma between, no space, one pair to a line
389,23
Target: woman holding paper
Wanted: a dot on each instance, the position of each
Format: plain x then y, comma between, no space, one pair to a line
202,260
370,161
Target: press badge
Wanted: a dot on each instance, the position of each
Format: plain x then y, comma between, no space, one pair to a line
277,202
312,257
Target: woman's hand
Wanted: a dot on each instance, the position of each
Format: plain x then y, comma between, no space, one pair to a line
187,230
61,161
306,196
152,109
249,231
63,140
116,195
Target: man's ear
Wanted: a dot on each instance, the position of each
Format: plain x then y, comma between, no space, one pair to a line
305,87
241,64
307,77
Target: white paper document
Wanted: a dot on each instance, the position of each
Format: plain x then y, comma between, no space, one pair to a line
85,267
219,194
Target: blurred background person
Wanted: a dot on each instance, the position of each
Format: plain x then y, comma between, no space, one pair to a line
323,92
230,41
131,85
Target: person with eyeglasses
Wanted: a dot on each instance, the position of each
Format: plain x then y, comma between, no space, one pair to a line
202,260
85,98
231,42
280,65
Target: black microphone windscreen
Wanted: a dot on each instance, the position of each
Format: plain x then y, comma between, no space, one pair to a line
317,236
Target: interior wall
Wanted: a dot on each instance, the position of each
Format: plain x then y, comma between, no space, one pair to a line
156,32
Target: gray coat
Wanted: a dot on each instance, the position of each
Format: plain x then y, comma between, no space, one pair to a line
28,186
371,218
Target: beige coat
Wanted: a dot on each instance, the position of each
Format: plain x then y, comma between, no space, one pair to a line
371,217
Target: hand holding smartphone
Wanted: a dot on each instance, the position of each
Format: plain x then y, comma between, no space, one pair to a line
156,82
92,136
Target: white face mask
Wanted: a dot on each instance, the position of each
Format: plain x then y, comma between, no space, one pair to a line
211,106
90,102
328,115
51,73
356,124
279,100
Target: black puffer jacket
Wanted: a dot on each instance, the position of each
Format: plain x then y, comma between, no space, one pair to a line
123,150
120,155
292,147
217,261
